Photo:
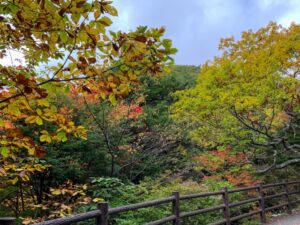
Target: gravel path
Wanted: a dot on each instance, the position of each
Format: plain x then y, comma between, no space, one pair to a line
287,220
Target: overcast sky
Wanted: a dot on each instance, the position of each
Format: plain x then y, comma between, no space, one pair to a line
196,26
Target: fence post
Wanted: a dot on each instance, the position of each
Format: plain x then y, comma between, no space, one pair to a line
262,204
175,207
226,203
286,188
7,220
103,218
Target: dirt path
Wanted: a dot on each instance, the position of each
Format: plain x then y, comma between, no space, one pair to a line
287,220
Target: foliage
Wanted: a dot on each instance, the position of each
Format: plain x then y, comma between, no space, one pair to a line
159,90
67,50
229,165
156,190
115,191
90,60
160,188
23,201
163,145
137,130
248,97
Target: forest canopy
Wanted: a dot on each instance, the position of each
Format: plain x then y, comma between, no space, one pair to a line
249,97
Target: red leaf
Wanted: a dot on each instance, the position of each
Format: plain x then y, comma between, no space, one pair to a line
87,89
40,152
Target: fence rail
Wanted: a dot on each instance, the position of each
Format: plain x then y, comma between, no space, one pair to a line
103,212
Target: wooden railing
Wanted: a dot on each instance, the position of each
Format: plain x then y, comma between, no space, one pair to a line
103,212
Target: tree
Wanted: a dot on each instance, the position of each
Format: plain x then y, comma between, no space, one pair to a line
73,34
66,46
249,97
76,33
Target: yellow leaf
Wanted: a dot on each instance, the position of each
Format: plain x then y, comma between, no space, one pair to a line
43,102
97,14
38,120
105,21
45,138
30,119
14,181
53,109
31,151
96,200
55,191
112,99
25,178
39,112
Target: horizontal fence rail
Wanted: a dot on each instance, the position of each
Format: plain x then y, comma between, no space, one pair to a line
103,212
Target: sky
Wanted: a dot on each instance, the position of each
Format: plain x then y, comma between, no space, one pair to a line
196,26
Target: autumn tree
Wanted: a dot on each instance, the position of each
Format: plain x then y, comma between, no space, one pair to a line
76,33
226,164
66,45
249,97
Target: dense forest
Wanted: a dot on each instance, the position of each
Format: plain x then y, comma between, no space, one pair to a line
95,115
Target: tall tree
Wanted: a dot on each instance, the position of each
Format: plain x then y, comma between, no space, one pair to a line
249,97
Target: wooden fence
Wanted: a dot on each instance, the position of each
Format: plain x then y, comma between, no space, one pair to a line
103,212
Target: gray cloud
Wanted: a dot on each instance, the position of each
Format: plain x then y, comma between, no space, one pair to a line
196,26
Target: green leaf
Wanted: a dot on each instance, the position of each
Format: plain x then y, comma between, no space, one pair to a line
62,136
64,36
112,10
76,17
13,8
4,151
113,34
173,50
